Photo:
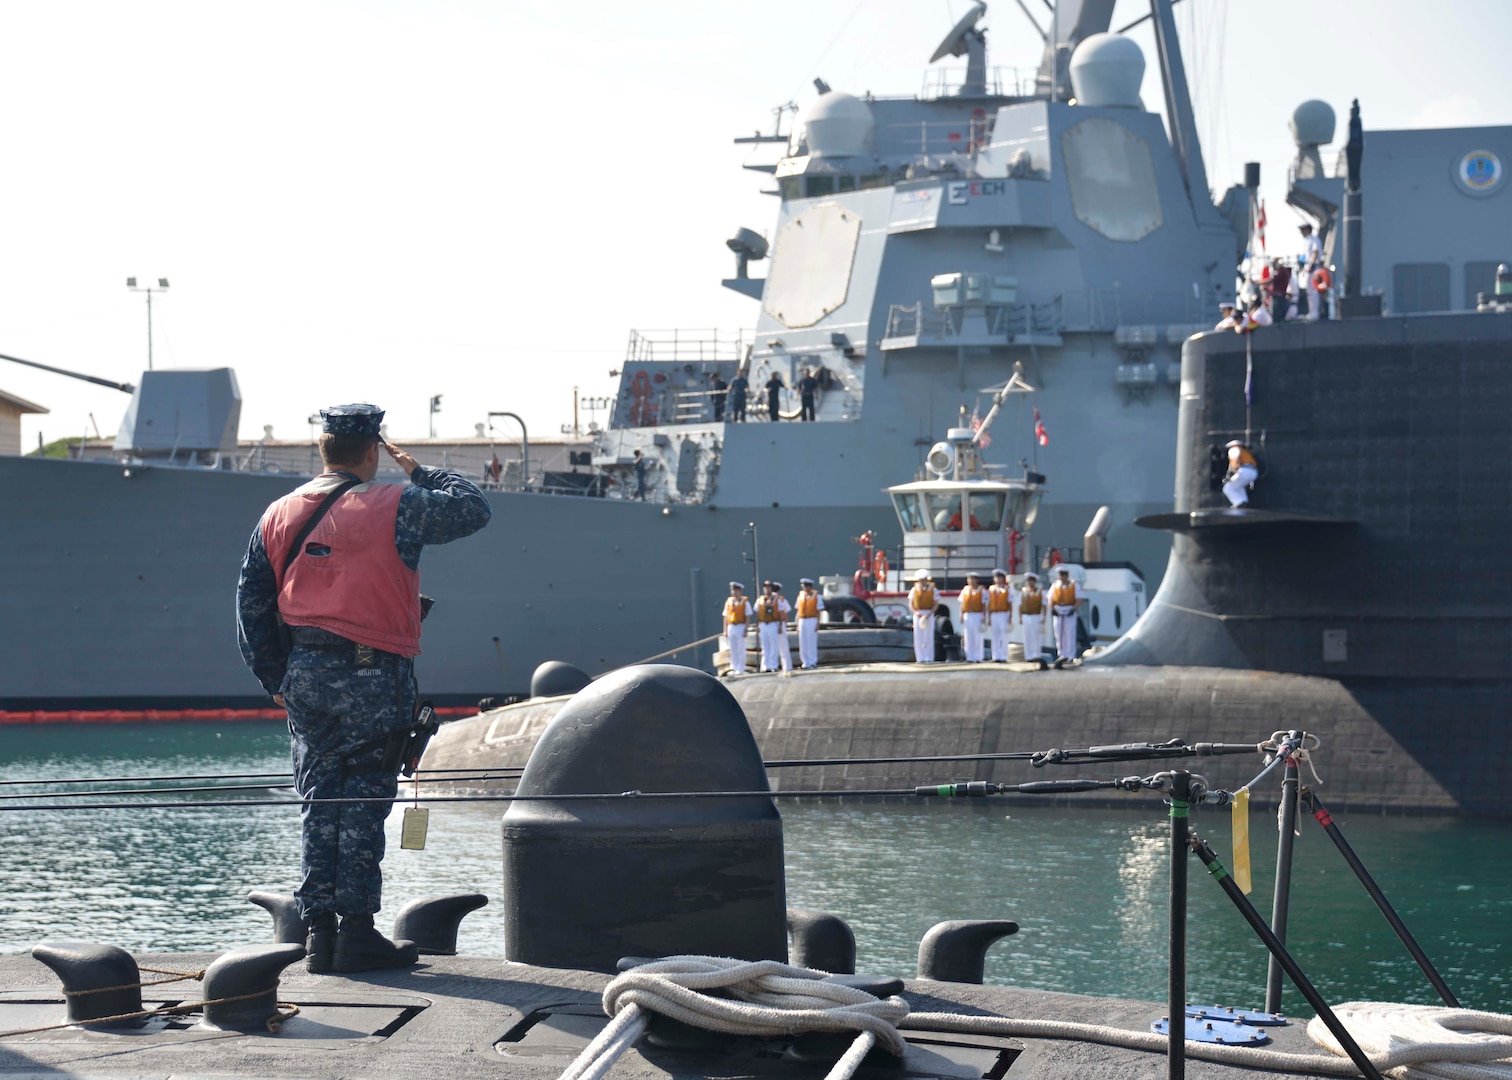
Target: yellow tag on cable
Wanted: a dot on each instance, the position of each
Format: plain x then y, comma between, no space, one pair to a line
1240,819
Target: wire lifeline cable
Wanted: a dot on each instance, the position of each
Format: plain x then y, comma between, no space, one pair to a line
1055,756
968,788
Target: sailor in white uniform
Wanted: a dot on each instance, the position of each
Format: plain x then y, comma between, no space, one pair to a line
770,622
921,601
1032,619
1243,471
810,604
1312,258
737,617
783,646
973,614
1063,601
999,614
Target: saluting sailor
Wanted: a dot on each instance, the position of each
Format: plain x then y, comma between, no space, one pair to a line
328,618
810,604
1243,470
973,611
1000,614
921,601
1063,600
737,616
1032,619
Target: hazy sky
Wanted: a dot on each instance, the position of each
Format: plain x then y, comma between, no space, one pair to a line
391,199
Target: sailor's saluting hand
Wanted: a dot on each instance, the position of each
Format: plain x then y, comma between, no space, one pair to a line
403,459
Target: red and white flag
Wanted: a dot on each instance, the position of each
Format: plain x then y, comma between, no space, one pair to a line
1040,433
976,425
1260,225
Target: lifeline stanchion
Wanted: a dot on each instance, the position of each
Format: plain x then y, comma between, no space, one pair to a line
1281,900
1283,958
1180,802
1324,818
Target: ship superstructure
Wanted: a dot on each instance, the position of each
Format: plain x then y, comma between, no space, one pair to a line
923,247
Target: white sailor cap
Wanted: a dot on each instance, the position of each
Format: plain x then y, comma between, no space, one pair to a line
1000,572
1031,576
805,581
737,585
776,586
921,574
1063,570
1233,443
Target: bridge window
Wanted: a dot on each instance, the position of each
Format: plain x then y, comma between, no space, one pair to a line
909,512
986,511
945,512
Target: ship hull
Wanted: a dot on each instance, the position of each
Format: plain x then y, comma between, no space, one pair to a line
122,587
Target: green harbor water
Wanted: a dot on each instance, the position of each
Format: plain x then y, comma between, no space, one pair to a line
1087,887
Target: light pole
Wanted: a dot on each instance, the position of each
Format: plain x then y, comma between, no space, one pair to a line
435,407
161,286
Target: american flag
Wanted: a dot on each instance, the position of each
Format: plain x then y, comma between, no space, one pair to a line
976,425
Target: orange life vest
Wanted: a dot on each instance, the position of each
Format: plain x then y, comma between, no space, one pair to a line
735,611
971,598
1063,594
1031,602
999,598
808,606
922,598
1240,456
767,610
358,588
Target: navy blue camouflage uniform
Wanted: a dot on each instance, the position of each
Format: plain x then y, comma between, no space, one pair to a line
339,713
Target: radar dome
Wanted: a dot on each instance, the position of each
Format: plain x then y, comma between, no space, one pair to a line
837,125
1106,69
1312,124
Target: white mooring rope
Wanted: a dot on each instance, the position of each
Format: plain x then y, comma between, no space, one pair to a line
767,998
1426,1042
764,998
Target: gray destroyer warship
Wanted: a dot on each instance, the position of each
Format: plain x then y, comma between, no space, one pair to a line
926,247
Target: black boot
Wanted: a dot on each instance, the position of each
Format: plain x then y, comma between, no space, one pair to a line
360,947
320,944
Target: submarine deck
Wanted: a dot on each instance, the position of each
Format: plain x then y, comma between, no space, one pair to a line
462,1018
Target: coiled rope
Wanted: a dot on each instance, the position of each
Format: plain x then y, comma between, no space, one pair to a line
1426,1042
764,998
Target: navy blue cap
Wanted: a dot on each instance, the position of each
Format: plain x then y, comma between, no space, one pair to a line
351,420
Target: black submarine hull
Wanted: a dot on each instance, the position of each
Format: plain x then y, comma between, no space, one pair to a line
1364,596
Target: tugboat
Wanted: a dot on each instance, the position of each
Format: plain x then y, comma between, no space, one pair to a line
961,515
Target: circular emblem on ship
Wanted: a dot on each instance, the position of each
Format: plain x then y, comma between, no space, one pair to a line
1479,172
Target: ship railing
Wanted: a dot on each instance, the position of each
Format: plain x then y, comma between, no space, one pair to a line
941,145
944,82
692,406
951,562
1088,311
1108,309
687,346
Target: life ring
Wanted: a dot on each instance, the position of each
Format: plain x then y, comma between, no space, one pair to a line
879,566
1322,280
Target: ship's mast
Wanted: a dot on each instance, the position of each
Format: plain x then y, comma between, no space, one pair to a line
1183,123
